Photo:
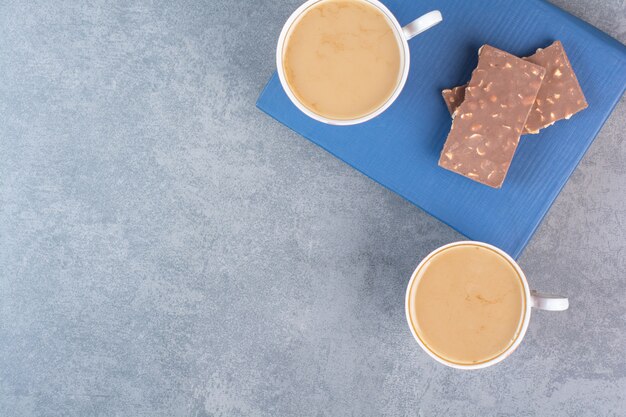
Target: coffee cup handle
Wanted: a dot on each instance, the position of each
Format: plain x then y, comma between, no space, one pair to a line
548,302
421,24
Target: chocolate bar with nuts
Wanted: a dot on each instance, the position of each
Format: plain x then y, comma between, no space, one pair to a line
453,98
560,95
488,124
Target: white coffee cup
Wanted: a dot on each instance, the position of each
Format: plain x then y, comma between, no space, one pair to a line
403,34
533,299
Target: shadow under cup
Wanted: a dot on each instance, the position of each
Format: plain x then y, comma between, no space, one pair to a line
342,62
467,305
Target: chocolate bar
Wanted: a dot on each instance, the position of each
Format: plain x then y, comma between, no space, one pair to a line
560,95
453,98
488,123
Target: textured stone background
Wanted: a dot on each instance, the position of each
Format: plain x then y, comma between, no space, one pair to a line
168,250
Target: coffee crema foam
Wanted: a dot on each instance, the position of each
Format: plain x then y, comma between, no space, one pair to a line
342,59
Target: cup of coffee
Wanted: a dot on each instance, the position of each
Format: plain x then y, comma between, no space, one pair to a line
468,305
344,62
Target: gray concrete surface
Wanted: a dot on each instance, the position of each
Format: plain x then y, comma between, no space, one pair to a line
168,250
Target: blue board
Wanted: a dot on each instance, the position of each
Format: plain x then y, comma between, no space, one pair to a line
400,148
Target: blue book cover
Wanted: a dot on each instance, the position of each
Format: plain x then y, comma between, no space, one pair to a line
400,148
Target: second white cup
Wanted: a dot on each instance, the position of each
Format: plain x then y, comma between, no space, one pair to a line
403,34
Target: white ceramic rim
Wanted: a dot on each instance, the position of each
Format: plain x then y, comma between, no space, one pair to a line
343,122
527,306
